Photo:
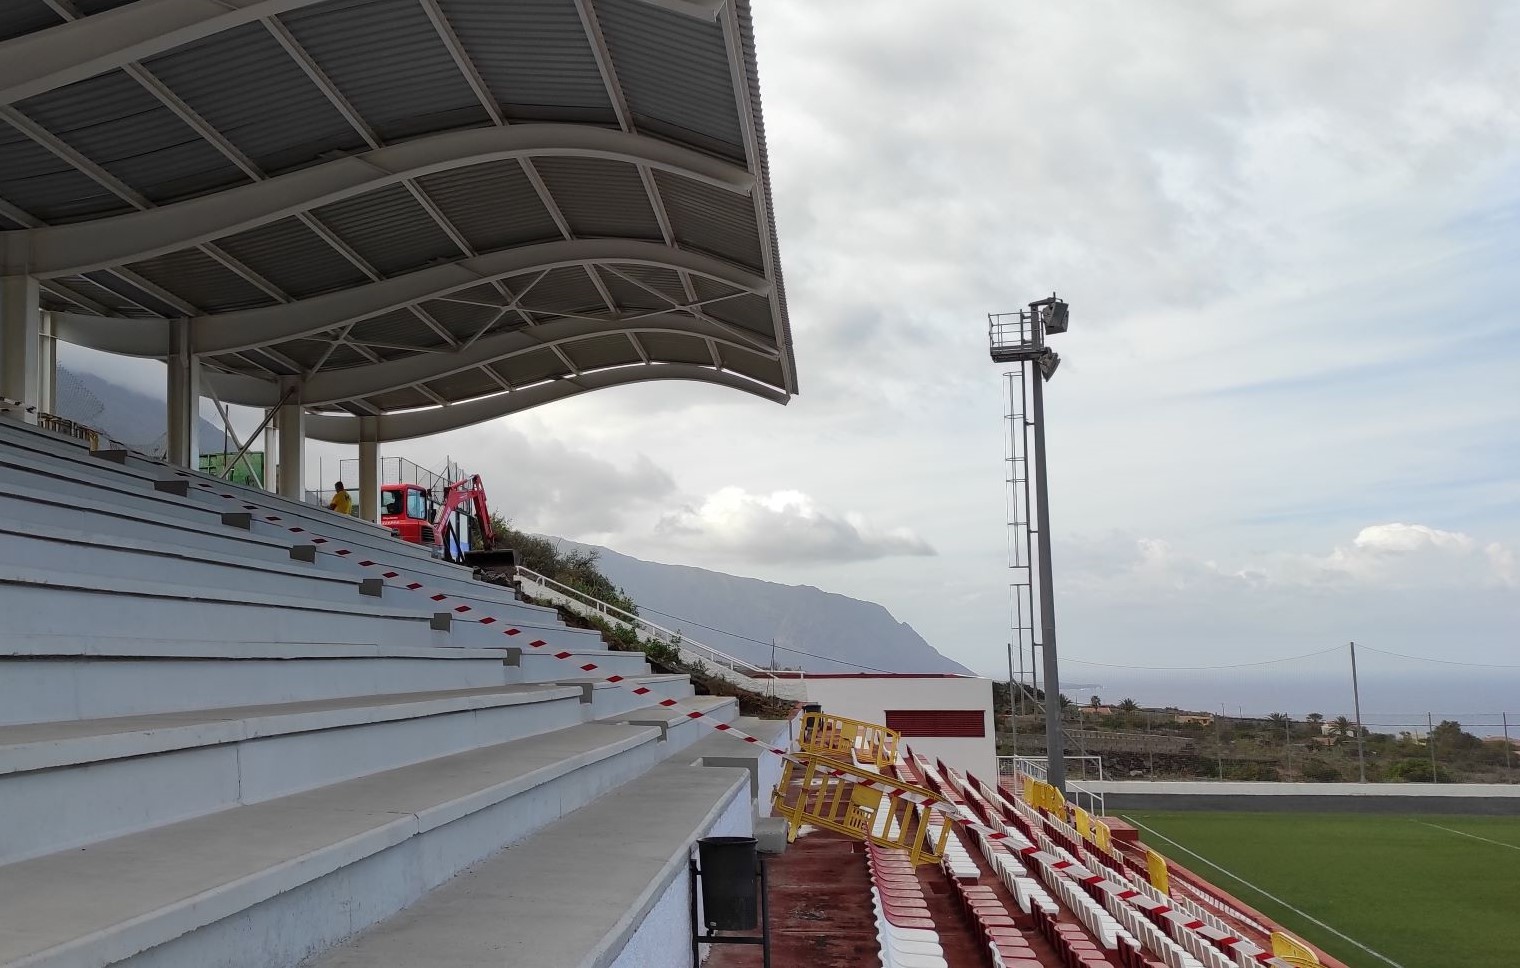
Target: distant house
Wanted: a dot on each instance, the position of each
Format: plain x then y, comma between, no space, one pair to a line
1194,719
1096,710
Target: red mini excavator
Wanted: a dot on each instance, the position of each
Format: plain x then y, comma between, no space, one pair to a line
414,514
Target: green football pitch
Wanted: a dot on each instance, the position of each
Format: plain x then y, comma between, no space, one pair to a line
1374,891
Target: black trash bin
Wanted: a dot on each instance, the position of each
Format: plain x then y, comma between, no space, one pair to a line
729,867
809,707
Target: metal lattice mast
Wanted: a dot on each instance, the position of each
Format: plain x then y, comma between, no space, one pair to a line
1020,338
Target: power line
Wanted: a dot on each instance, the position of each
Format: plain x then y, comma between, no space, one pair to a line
1426,658
746,638
1235,665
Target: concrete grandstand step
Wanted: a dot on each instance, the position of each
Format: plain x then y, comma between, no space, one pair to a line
46,509
678,726
543,665
38,602
60,677
112,556
609,879
610,698
275,882
67,784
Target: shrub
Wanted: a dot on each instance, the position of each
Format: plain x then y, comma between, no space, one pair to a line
1317,772
1416,771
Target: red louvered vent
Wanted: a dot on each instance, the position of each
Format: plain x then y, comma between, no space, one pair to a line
937,722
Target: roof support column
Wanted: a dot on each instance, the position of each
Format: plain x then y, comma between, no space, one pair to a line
292,448
271,462
184,397
20,335
369,469
47,366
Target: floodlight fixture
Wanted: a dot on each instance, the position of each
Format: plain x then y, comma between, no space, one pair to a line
1048,363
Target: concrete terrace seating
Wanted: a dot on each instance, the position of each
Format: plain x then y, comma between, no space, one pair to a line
224,743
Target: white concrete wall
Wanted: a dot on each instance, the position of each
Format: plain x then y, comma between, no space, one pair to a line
663,938
868,698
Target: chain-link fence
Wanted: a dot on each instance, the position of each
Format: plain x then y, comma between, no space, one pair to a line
1139,743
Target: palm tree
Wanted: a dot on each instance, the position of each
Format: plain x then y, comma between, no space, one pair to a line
1342,727
1065,701
1280,719
1314,719
1129,705
1095,702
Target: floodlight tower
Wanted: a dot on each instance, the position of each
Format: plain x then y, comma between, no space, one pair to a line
1020,338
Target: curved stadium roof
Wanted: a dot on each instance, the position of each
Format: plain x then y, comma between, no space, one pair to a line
432,211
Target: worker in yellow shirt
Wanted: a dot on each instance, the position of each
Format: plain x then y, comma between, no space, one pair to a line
342,502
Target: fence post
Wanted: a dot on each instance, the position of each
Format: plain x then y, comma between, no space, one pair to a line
1508,750
1430,742
1150,746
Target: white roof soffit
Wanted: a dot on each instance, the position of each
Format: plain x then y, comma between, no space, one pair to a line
434,420
58,250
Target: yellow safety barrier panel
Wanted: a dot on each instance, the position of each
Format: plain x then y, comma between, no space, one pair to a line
840,738
1043,796
1293,951
877,814
1155,866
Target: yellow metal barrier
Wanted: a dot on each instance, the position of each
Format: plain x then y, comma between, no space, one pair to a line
1293,951
841,804
839,738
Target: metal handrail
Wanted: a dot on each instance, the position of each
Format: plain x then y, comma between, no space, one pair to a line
721,659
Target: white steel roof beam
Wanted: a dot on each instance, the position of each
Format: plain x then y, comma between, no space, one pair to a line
335,386
422,423
68,249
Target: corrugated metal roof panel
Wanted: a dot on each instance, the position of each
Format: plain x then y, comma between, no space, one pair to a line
403,399
399,326
600,197
389,62
706,289
463,386
660,280
626,294
493,205
531,368
675,74
601,351
712,220
534,57
389,229
113,121
247,87
749,311
462,319
153,305
752,365
483,293
42,184
92,290
565,290
18,17
200,280
673,348
293,257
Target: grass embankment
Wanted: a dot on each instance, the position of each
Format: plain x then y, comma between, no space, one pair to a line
1420,891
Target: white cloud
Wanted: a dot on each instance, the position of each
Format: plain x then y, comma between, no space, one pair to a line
783,526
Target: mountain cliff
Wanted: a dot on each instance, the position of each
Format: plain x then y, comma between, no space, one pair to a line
843,634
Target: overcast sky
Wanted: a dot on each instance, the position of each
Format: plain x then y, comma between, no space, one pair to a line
1287,411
